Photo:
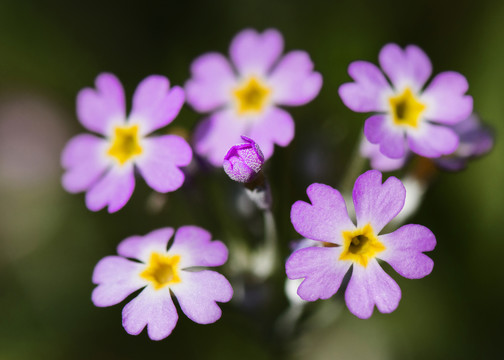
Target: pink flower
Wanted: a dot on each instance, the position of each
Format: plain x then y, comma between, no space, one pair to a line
344,244
159,272
103,166
408,116
243,96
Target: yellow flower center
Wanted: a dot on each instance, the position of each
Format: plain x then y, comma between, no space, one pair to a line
162,270
251,96
125,143
360,245
406,109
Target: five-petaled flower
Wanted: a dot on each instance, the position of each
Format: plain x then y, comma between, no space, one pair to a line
244,96
104,166
161,273
346,245
408,115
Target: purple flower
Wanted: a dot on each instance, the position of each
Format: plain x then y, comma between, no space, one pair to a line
161,272
243,96
475,140
104,166
326,219
378,160
243,162
409,116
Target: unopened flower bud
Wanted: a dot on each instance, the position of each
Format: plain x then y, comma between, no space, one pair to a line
243,162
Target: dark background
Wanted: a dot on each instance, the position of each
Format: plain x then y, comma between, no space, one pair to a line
49,241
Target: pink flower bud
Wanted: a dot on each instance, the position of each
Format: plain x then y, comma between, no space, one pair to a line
243,162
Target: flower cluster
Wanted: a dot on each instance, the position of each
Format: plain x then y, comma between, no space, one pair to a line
243,100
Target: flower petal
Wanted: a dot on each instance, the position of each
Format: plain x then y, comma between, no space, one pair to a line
433,140
404,249
141,247
321,269
160,164
446,100
154,104
377,159
198,293
211,83
98,110
369,286
408,68
112,190
325,218
196,248
151,308
377,203
391,138
116,278
275,127
475,139
369,91
216,134
293,80
255,53
84,161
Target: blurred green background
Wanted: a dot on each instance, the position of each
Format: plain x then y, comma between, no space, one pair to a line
49,241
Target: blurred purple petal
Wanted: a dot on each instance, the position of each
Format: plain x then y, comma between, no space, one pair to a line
216,134
255,53
410,67
154,104
163,157
84,161
141,247
211,83
294,81
151,308
112,190
369,91
377,159
276,127
432,141
378,130
475,139
446,100
98,110
116,278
